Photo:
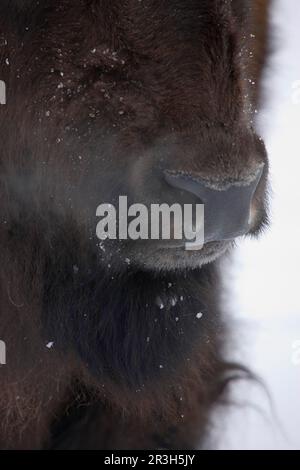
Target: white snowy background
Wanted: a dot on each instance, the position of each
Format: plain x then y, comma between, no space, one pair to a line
265,279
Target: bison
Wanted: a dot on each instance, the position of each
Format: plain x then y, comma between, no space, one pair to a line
156,100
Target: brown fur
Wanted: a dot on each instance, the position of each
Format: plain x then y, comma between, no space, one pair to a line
95,389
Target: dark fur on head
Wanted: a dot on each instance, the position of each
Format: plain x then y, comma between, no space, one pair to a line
101,97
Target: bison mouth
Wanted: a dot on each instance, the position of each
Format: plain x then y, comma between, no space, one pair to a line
240,214
178,258
166,256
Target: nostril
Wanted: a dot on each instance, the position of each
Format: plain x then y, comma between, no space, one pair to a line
182,178
227,201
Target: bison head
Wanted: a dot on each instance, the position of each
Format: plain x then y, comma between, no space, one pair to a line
149,99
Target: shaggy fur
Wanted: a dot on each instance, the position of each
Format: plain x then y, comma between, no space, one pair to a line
102,96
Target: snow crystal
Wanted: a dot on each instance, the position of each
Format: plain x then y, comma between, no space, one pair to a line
50,345
75,269
159,303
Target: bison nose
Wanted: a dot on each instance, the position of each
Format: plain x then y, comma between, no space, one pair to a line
227,203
